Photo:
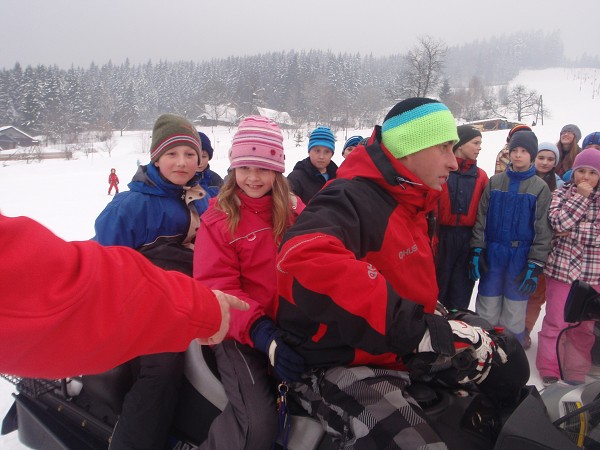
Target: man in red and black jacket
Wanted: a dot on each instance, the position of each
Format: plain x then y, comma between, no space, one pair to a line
357,290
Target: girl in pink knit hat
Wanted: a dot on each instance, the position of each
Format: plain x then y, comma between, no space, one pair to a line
575,218
237,246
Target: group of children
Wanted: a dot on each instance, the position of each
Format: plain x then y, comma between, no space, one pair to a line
506,232
526,234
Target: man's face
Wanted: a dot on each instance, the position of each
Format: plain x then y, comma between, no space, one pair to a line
433,164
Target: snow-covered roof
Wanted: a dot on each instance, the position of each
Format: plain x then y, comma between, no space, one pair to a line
279,117
221,113
8,127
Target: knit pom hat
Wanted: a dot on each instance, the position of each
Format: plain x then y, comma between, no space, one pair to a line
465,134
572,129
258,142
206,145
589,158
591,139
415,124
170,131
352,142
527,140
549,146
322,136
516,128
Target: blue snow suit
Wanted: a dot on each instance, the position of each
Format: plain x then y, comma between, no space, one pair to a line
512,226
152,209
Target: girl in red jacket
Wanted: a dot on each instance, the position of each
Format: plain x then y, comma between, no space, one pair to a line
236,251
113,181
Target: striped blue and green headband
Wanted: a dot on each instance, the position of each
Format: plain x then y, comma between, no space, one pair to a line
415,124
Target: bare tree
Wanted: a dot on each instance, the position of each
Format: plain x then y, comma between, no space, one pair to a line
109,144
521,102
424,65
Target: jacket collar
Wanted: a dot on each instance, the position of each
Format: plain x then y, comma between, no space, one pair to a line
375,163
148,180
306,166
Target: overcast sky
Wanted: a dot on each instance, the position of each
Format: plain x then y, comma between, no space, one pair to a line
66,32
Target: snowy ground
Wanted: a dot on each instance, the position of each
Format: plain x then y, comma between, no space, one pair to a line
66,196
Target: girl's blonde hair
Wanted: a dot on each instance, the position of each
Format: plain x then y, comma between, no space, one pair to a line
229,203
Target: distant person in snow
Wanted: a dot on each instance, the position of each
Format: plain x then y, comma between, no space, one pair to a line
159,217
511,238
101,306
457,211
240,234
207,177
503,159
311,174
113,181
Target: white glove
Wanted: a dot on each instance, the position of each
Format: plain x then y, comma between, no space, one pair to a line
477,341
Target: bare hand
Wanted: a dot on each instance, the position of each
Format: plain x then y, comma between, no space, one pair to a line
226,302
584,188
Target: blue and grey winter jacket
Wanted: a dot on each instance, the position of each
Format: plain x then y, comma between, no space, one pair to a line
512,225
153,208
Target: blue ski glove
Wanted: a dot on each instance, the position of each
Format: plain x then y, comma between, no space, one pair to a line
288,364
477,263
529,277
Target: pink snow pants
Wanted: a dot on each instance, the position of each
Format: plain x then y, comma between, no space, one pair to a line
575,350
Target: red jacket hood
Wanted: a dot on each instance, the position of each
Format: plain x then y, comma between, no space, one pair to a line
375,163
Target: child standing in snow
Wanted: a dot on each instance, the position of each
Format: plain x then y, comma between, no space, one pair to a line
240,234
545,164
511,238
457,212
575,218
158,216
113,181
311,174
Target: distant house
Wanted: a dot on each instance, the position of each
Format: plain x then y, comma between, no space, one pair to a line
281,118
11,138
218,115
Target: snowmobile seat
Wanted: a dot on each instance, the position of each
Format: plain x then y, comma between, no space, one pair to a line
110,387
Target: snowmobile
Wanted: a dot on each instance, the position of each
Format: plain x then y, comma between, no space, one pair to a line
501,413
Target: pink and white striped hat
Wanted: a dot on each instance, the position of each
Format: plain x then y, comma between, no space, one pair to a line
258,142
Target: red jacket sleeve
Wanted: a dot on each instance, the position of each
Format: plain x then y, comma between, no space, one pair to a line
70,308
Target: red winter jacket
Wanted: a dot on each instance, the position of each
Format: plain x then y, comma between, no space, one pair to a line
243,264
461,194
359,249
71,308
113,179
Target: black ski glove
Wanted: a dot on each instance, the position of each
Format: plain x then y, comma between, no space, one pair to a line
477,263
267,338
529,277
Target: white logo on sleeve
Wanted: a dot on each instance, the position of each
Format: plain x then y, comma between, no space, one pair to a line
407,251
371,271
